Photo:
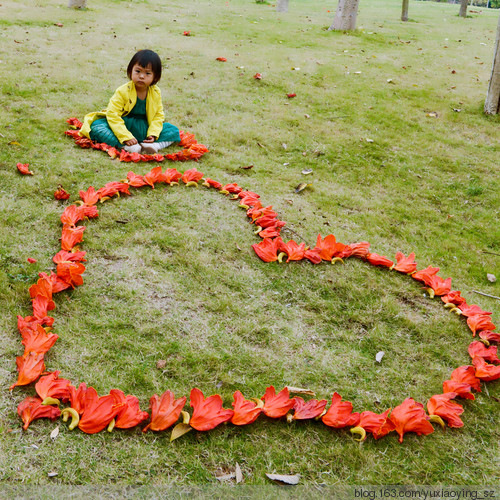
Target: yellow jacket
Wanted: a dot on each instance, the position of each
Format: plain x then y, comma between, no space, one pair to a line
121,104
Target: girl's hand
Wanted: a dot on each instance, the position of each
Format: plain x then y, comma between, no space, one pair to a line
150,138
131,142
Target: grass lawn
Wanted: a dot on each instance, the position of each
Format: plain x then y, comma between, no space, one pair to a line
388,118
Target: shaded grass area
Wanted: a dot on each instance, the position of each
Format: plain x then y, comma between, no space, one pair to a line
389,118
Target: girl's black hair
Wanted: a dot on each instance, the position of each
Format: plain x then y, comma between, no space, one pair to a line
146,58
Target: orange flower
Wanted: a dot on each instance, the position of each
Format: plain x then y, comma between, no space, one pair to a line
405,264
112,188
270,232
71,272
291,95
42,288
51,386
489,336
378,424
424,274
31,408
77,397
487,353
438,285
340,413
221,59
37,341
41,305
484,371
65,256
441,406
136,180
232,188
329,247
207,413
313,255
257,76
130,415
57,283
154,176
61,194
277,405
410,416
89,197
71,236
267,249
172,175
31,260
472,310
165,411
74,123
355,250
379,260
212,183
303,410
245,412
462,380
478,322
187,33
72,215
24,168
293,250
268,221
191,175
97,411
453,297
29,368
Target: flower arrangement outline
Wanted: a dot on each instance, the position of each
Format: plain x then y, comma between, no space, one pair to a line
92,413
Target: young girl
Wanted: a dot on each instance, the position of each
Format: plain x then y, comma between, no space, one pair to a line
134,117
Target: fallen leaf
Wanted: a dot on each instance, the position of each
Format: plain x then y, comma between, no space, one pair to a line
248,167
284,146
59,25
301,187
307,171
14,143
179,430
491,277
379,356
226,477
283,478
432,114
54,433
237,471
52,474
161,363
298,390
369,140
307,116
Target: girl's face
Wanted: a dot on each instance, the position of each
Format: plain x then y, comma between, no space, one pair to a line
142,77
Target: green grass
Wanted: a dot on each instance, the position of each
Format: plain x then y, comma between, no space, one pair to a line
176,279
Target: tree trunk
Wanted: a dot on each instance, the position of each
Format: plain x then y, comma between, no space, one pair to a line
404,12
77,4
463,8
282,6
345,17
492,104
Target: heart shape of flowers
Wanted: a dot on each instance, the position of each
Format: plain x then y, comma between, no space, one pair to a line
92,413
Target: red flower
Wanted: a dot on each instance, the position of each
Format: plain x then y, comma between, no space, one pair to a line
277,405
72,215
187,33
222,59
487,353
293,250
379,260
65,256
410,416
405,264
267,249
171,175
424,274
245,412
37,341
356,250
441,406
43,288
340,413
207,413
270,232
51,386
112,188
212,183
191,175
31,260
71,236
291,95
31,408
130,415
97,411
437,285
136,180
462,380
61,194
489,336
71,272
232,188
29,368
77,397
24,168
74,123
484,371
154,176
478,322
257,76
472,310
329,247
454,298
89,197
378,424
303,410
165,411
313,255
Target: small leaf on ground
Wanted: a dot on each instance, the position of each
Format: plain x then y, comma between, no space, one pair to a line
491,277
54,433
379,356
283,478
298,390
179,430
237,471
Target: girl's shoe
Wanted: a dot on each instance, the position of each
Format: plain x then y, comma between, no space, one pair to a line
136,148
151,148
